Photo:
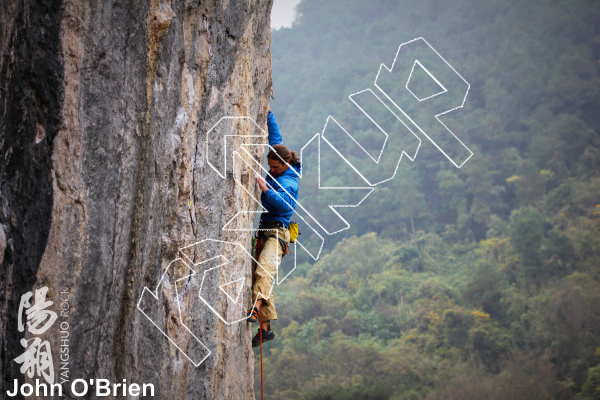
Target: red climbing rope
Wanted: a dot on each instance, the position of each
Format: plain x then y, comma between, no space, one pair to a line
261,369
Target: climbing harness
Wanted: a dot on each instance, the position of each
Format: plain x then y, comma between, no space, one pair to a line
274,225
284,246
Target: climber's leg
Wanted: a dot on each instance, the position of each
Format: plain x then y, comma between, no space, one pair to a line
268,262
264,275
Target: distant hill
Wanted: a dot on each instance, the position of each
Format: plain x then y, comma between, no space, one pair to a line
478,282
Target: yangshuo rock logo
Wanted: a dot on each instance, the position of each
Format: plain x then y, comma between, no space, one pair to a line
406,103
35,318
36,360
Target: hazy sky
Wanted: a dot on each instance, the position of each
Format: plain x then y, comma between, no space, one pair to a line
282,14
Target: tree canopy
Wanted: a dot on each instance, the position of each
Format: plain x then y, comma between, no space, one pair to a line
475,283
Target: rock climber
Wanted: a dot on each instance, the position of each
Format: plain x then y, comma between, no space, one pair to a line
278,197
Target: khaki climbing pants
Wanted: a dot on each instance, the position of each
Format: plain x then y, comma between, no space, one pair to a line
264,274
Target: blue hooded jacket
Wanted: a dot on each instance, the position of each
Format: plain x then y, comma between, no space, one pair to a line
279,204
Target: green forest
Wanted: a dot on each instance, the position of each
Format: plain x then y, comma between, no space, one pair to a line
475,283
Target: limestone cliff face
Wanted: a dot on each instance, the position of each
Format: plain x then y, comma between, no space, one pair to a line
104,111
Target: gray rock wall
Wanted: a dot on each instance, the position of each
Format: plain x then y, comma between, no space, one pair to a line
104,110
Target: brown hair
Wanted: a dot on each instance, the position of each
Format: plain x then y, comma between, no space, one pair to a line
280,152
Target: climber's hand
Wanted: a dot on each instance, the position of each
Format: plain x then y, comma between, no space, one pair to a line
262,183
268,107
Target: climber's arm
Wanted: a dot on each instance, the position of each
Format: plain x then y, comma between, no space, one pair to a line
274,134
279,199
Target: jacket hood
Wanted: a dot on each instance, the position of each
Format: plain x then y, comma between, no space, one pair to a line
297,167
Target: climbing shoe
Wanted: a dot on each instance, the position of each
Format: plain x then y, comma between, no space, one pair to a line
266,336
252,315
